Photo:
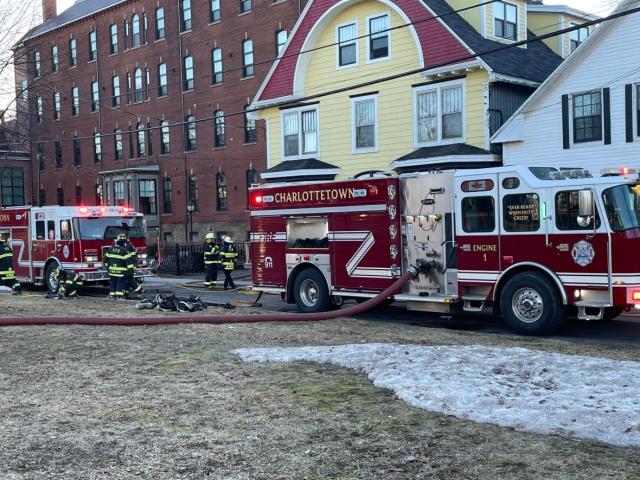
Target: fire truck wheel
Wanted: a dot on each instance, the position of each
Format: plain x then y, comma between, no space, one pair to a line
531,305
611,313
49,276
310,291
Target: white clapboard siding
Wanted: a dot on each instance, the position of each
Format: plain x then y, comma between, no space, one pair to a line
612,61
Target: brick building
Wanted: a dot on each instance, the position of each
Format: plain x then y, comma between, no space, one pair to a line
15,164
140,102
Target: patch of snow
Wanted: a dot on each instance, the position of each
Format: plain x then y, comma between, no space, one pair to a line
531,391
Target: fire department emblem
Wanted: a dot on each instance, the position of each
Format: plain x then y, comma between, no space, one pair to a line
392,212
65,251
391,191
393,232
393,251
268,262
583,253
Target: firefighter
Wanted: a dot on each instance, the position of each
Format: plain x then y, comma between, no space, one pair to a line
69,283
211,260
132,285
115,260
228,255
7,273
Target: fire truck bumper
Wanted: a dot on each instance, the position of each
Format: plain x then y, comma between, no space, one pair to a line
94,276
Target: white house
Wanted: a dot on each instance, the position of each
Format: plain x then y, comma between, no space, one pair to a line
586,114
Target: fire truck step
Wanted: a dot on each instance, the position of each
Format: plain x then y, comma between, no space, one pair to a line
473,303
591,311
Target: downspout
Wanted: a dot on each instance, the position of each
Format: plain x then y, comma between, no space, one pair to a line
184,130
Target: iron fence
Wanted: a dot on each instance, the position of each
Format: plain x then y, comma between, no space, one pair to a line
177,259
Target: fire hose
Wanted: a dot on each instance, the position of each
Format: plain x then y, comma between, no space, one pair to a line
219,319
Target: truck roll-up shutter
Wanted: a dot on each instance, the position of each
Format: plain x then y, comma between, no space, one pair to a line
628,112
606,105
565,122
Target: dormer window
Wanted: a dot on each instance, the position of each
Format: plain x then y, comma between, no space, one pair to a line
347,45
505,20
378,30
578,36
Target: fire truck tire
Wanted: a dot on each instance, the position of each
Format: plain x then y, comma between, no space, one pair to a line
49,279
531,305
310,292
611,313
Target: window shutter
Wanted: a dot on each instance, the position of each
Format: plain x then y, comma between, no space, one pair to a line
606,104
565,122
628,112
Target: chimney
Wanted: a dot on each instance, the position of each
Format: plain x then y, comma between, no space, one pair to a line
49,9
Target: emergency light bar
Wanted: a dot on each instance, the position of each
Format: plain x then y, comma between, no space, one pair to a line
623,171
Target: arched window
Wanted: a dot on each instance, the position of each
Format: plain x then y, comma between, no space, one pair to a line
219,130
140,144
138,85
221,192
115,91
135,28
190,132
187,70
159,23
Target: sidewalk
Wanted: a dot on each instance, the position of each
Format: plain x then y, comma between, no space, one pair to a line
240,277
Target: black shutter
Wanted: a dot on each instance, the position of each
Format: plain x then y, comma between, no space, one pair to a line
628,112
606,105
565,122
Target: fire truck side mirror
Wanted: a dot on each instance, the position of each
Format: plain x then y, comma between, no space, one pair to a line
585,203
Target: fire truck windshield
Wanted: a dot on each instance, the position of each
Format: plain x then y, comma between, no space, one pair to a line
622,204
108,228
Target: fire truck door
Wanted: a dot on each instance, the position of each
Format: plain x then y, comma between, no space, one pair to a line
477,227
65,246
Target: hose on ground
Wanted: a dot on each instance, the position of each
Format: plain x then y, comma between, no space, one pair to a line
218,319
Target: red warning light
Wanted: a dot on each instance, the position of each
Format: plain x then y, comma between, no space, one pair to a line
125,209
257,200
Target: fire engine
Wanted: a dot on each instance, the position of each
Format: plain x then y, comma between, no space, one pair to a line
74,238
535,244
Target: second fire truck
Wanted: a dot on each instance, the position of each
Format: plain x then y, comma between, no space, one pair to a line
535,244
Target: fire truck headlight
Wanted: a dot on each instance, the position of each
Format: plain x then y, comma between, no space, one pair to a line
90,259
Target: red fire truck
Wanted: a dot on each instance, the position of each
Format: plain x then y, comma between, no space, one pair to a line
75,238
535,244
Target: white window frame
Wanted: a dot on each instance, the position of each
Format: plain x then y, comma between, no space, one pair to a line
355,150
493,18
578,33
439,87
388,33
299,111
357,42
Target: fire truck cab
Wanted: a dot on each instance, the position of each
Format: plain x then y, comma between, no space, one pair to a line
74,238
534,244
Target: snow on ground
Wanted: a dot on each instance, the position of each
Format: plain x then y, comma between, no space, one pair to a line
528,390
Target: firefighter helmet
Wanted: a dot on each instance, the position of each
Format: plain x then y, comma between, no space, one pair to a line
122,236
227,239
210,235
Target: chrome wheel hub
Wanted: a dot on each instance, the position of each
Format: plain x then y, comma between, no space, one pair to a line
527,305
309,292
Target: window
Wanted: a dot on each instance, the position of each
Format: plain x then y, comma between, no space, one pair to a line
54,58
137,75
118,193
40,155
166,195
439,114
36,63
221,192
97,148
24,90
115,90
39,109
99,195
347,45
587,117
56,105
247,58
505,20
378,31
214,14
250,135
307,233
130,143
117,144
140,140
95,96
218,140
185,15
252,179
135,29
75,102
127,32
163,89
478,214
12,187
147,197
193,191
160,33
65,225
364,123
190,133
187,71
145,28
149,140
281,41
216,66
165,140
77,154
113,30
73,52
576,37
245,6
59,201
300,132
567,211
93,46
58,151
147,84
521,212
42,200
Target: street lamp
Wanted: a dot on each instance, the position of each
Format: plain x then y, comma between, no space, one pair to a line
191,207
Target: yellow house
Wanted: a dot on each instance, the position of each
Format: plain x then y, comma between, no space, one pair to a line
379,85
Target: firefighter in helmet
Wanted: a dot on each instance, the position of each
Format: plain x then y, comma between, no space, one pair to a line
7,273
132,286
228,255
115,261
211,260
69,283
